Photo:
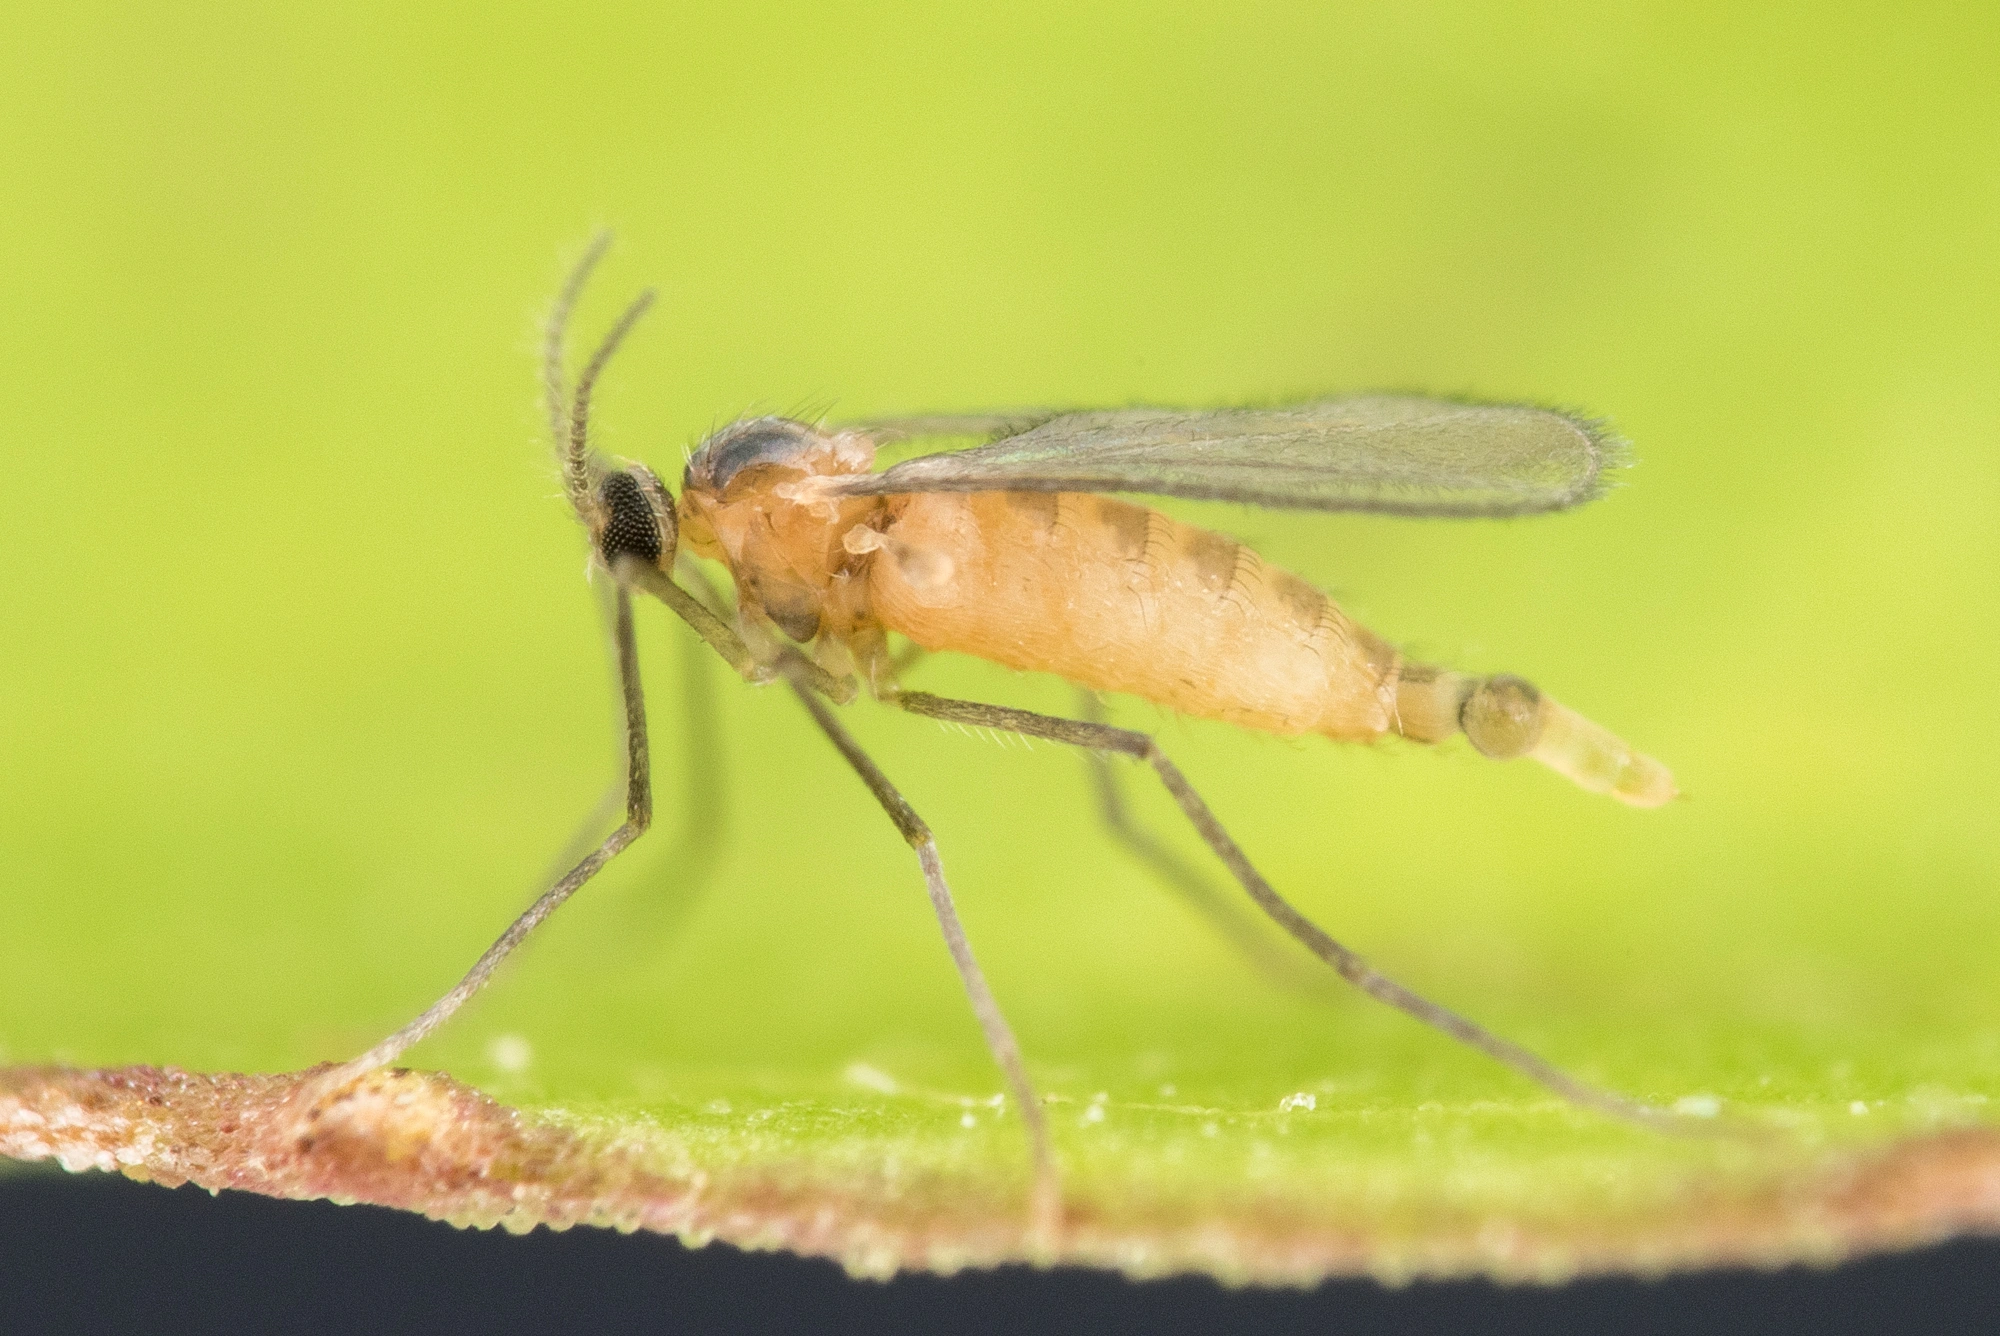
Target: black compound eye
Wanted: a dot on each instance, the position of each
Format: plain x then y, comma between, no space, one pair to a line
632,522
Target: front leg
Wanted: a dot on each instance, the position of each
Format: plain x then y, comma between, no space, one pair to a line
725,641
314,1097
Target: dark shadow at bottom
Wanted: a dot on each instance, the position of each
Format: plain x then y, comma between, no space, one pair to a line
96,1253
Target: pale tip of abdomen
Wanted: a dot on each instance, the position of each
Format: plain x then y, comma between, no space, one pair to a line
1594,758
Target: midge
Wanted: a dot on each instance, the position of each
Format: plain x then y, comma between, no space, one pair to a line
1013,551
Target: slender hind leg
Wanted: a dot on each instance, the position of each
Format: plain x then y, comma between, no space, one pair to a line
1276,962
1105,738
1047,1193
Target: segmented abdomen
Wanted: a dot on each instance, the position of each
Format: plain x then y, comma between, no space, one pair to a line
1121,598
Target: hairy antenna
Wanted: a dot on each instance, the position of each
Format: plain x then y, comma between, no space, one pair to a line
576,461
557,330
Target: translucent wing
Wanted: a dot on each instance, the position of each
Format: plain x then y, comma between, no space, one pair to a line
1392,454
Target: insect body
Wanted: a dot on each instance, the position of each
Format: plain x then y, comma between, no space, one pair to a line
1111,595
1015,551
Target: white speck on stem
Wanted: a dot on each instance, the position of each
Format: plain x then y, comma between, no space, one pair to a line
870,1078
1301,1100
1698,1106
1858,1107
967,1120
510,1053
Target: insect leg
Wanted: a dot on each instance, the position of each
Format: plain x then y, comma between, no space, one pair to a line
705,779
590,831
1349,965
638,815
905,659
1047,1194
676,870
722,637
1224,914
690,571
585,837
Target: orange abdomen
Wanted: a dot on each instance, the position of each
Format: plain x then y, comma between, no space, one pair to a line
1118,597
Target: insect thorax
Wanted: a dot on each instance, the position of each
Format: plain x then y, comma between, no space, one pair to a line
748,501
775,441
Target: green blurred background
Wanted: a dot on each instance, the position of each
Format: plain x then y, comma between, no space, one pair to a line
301,684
